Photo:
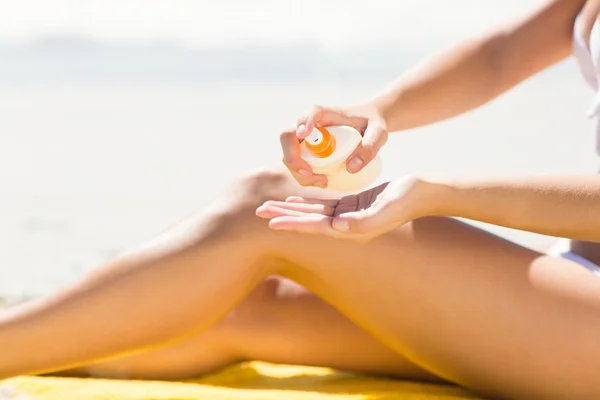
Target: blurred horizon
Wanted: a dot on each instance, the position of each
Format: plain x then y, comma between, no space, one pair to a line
60,58
259,41
335,24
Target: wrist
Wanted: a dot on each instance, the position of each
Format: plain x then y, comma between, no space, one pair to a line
437,197
384,107
369,110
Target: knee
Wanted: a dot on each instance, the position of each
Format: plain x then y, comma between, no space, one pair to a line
264,184
261,185
233,214
231,219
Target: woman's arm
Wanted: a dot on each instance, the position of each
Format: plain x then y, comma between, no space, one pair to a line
458,80
475,72
563,206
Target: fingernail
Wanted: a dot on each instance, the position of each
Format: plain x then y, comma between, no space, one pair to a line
300,130
261,209
355,164
322,185
304,172
341,225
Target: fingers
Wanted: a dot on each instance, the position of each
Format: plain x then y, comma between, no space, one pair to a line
312,224
299,168
374,138
321,116
303,217
298,199
321,225
273,209
365,222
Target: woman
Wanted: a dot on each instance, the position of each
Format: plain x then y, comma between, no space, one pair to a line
440,300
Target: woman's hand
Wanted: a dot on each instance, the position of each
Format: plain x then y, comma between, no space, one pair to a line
360,217
364,119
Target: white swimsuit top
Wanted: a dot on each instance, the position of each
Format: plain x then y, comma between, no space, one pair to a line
588,59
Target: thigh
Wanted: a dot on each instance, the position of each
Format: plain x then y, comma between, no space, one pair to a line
279,322
283,322
468,306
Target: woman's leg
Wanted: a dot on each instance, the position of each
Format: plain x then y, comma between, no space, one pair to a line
157,301
280,321
470,307
164,292
464,304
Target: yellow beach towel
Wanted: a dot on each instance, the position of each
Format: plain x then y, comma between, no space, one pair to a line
249,381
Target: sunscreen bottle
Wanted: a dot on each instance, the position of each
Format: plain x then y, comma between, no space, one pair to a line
326,151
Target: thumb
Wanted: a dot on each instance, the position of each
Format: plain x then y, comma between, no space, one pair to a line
374,138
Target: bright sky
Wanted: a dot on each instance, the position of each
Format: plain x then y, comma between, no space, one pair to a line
217,22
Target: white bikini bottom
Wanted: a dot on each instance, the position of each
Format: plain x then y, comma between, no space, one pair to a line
561,249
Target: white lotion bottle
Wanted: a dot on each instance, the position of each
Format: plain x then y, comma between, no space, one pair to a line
326,151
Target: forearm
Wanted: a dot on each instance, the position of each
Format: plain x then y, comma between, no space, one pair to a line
442,86
476,71
562,206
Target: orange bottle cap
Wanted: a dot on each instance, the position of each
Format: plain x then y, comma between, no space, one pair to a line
320,142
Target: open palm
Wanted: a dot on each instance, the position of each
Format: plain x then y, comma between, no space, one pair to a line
360,217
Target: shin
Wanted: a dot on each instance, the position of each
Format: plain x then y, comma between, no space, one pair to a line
166,291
